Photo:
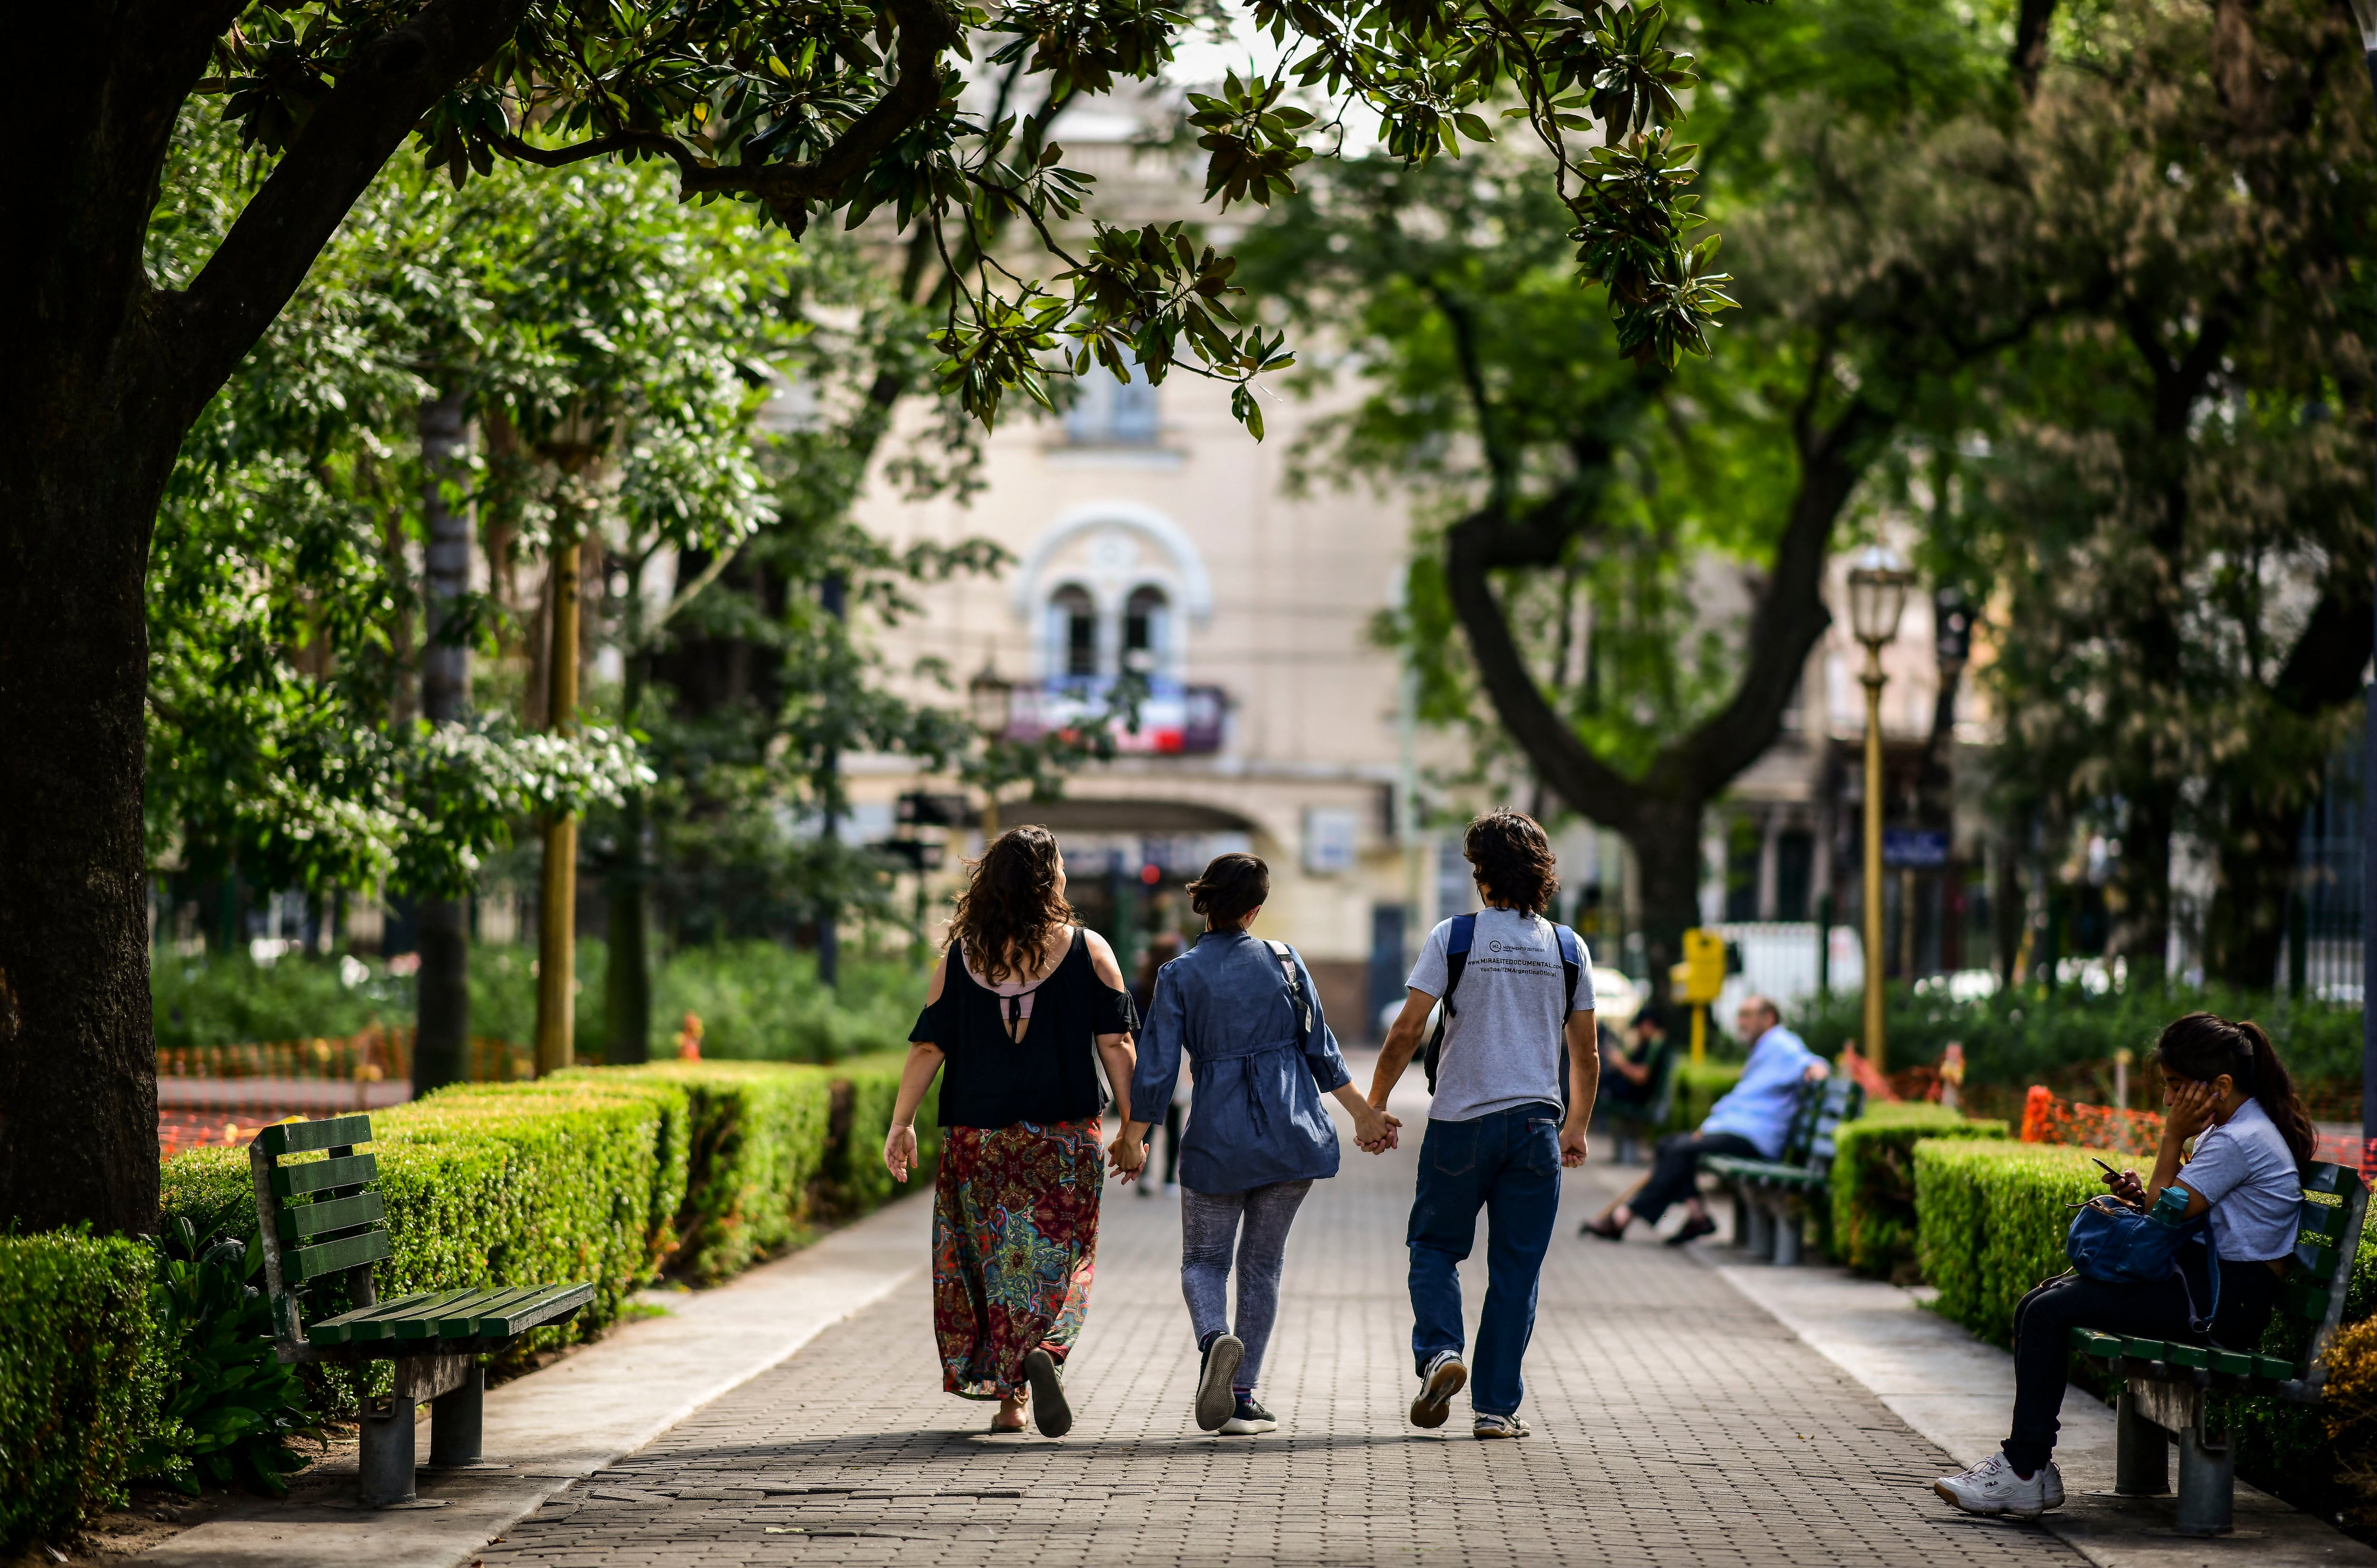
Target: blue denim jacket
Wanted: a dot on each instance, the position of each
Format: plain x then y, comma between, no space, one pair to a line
1256,1116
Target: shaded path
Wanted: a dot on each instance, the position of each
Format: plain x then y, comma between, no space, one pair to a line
1675,1423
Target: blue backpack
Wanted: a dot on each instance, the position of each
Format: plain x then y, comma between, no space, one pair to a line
2117,1244
1457,942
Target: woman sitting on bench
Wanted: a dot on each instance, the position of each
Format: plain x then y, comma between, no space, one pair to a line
2221,1080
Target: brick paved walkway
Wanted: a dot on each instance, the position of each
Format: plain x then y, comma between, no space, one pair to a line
1675,1423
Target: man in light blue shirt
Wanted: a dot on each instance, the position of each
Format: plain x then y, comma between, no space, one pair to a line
1752,1121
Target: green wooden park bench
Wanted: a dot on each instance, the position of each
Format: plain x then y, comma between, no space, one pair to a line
323,1219
1771,1198
2165,1381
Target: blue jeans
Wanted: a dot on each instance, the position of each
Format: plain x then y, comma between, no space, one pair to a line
1507,1164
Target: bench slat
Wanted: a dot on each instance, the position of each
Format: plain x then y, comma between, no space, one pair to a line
2273,1368
2144,1349
2180,1355
2321,1222
347,1170
300,1220
467,1319
2236,1364
344,1328
2326,1176
312,1263
304,1137
2088,1342
557,1301
2305,1299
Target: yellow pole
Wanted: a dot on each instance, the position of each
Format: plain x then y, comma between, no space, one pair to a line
1873,1042
556,929
989,817
1699,1033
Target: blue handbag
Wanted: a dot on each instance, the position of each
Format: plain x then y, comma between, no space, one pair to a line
2117,1244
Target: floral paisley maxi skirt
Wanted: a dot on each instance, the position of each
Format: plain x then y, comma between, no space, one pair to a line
1015,1239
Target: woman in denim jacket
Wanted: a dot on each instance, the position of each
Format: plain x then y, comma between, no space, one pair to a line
1257,1136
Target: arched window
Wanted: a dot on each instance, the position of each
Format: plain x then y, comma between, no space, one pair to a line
1072,631
1146,631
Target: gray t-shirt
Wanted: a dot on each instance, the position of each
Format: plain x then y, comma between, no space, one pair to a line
1504,1044
2245,1171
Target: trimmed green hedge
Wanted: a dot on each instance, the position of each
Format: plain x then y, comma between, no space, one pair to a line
1873,1218
759,1140
1992,1218
76,1373
854,1180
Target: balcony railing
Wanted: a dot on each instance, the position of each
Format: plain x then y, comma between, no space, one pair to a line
1174,720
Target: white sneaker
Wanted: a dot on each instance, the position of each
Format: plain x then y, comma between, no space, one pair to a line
1991,1487
1444,1378
2051,1486
1498,1426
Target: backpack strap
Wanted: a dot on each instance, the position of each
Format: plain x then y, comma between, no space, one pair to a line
1572,952
1457,942
1300,1004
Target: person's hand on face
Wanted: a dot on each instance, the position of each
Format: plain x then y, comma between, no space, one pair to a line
2188,1106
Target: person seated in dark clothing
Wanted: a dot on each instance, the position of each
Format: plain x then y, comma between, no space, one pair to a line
1634,1060
1754,1120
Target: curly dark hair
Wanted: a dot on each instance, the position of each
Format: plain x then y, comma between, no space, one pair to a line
1011,904
1513,860
1233,885
2201,1046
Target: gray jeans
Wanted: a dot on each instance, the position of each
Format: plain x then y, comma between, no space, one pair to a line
1210,1235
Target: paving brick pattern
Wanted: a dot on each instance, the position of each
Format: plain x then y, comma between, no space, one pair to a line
1674,1422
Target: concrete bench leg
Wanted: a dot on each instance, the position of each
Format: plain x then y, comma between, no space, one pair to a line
2141,1451
384,1469
1786,1234
2207,1484
455,1422
1762,1231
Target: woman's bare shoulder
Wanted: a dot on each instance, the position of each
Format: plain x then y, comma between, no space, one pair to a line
1101,959
932,987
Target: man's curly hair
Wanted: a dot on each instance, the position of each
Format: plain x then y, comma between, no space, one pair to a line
1011,907
1513,860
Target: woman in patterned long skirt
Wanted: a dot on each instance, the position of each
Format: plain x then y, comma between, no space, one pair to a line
1021,1006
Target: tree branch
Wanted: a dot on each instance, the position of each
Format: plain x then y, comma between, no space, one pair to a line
926,28
266,256
1472,547
1790,614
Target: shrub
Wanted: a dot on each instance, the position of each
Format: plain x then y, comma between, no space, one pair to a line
1873,1218
759,1135
77,1375
228,1408
1697,1091
1991,1218
2018,1037
865,1091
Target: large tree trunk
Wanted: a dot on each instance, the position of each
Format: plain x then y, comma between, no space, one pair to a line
79,482
441,1050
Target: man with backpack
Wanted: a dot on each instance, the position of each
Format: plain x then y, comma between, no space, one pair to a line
1513,1067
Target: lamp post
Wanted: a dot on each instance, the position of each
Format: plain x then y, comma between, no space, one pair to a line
990,700
1877,585
2365,12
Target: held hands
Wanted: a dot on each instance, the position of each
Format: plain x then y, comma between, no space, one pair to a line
1127,1156
1374,1130
899,1151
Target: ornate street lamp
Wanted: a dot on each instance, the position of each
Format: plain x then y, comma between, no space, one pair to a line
1878,583
990,700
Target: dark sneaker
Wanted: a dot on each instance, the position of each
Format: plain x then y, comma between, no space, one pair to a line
1498,1426
1248,1419
1049,1411
1215,1401
1444,1378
